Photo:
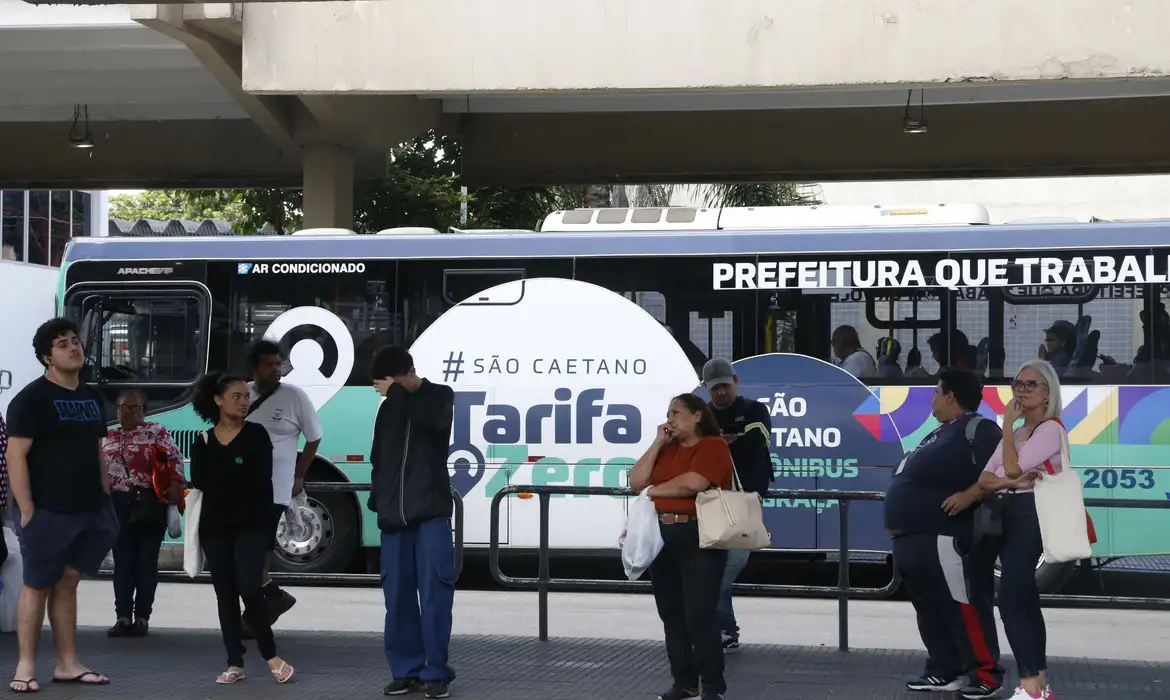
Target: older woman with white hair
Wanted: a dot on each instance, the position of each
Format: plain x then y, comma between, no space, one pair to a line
1022,456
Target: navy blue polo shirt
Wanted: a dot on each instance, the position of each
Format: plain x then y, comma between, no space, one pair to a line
940,466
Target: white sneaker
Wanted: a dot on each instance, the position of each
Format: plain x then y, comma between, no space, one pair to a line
1022,694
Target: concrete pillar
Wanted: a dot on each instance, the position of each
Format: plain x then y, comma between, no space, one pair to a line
328,187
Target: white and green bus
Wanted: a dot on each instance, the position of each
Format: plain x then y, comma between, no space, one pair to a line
564,346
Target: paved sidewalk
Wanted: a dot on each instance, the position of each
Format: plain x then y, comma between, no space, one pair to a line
182,665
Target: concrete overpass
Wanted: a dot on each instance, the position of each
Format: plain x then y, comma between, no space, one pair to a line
604,91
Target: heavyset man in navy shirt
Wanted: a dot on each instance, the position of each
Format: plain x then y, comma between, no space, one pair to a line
930,513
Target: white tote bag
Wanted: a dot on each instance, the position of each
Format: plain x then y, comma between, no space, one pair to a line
1060,506
642,540
731,519
192,550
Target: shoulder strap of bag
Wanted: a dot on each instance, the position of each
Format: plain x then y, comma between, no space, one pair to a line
1064,459
971,429
262,399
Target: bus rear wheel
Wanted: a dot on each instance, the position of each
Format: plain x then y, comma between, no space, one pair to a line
329,541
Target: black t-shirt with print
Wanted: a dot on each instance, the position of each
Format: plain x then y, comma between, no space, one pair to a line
66,427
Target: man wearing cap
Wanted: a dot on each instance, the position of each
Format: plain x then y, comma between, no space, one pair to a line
747,428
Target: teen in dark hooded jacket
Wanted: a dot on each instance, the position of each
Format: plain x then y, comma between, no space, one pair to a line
411,496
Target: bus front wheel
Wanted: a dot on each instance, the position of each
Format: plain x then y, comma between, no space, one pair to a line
328,543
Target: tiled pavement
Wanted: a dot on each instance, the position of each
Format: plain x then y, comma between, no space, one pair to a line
182,665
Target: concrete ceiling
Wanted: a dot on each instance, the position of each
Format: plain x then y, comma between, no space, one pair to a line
122,73
160,118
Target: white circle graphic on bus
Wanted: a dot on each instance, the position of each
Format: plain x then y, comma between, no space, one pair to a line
557,382
307,356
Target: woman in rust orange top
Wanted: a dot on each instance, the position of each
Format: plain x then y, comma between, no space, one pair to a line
688,456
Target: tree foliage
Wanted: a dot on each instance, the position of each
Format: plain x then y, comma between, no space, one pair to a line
422,187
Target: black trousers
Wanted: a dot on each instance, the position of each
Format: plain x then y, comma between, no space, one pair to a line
953,594
236,562
1020,550
686,580
135,561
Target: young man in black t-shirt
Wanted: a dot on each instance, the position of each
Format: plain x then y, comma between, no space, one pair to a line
747,428
929,510
57,473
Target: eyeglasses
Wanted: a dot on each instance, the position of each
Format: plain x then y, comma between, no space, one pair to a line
1027,384
128,407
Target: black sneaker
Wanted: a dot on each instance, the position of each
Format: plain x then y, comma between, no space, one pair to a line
677,693
978,690
935,684
712,695
401,686
121,628
140,628
280,606
436,689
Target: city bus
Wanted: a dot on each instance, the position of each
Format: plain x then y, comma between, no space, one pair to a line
564,348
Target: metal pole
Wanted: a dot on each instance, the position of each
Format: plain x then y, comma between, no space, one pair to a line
543,574
843,579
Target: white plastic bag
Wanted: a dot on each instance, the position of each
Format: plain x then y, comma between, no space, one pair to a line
294,517
192,550
1060,507
642,540
12,579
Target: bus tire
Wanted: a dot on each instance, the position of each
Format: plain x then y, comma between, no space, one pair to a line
1050,577
335,532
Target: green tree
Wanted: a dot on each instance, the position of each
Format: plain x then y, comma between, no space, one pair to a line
162,205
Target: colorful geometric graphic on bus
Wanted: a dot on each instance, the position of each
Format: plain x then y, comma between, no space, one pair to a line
821,414
869,415
1129,415
1142,416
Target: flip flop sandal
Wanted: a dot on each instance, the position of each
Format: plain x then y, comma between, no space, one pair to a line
280,673
229,677
27,683
79,679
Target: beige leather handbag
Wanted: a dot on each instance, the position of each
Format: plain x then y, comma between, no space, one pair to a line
731,519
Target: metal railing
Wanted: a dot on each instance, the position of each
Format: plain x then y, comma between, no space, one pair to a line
543,583
335,579
1105,601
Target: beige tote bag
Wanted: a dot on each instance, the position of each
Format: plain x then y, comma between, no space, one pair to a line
731,519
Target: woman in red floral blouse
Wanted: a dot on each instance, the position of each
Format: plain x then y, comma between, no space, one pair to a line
146,474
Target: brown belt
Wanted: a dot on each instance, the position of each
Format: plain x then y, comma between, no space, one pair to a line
674,518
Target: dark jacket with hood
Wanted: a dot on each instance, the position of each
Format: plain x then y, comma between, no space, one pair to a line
412,436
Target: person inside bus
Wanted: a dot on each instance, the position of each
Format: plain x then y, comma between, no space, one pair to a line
231,463
948,350
1059,343
687,456
1011,471
746,427
851,357
929,511
146,473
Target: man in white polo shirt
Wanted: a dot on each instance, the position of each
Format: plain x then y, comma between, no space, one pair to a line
286,412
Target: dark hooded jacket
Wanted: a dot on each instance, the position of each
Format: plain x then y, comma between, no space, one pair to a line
412,436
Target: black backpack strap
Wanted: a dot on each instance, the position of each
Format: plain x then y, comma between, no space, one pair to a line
971,429
262,399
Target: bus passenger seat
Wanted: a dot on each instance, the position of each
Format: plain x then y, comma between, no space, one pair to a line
1084,354
981,351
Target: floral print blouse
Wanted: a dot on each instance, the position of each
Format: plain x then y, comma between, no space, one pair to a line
128,456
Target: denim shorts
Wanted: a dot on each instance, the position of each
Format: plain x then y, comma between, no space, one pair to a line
52,541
